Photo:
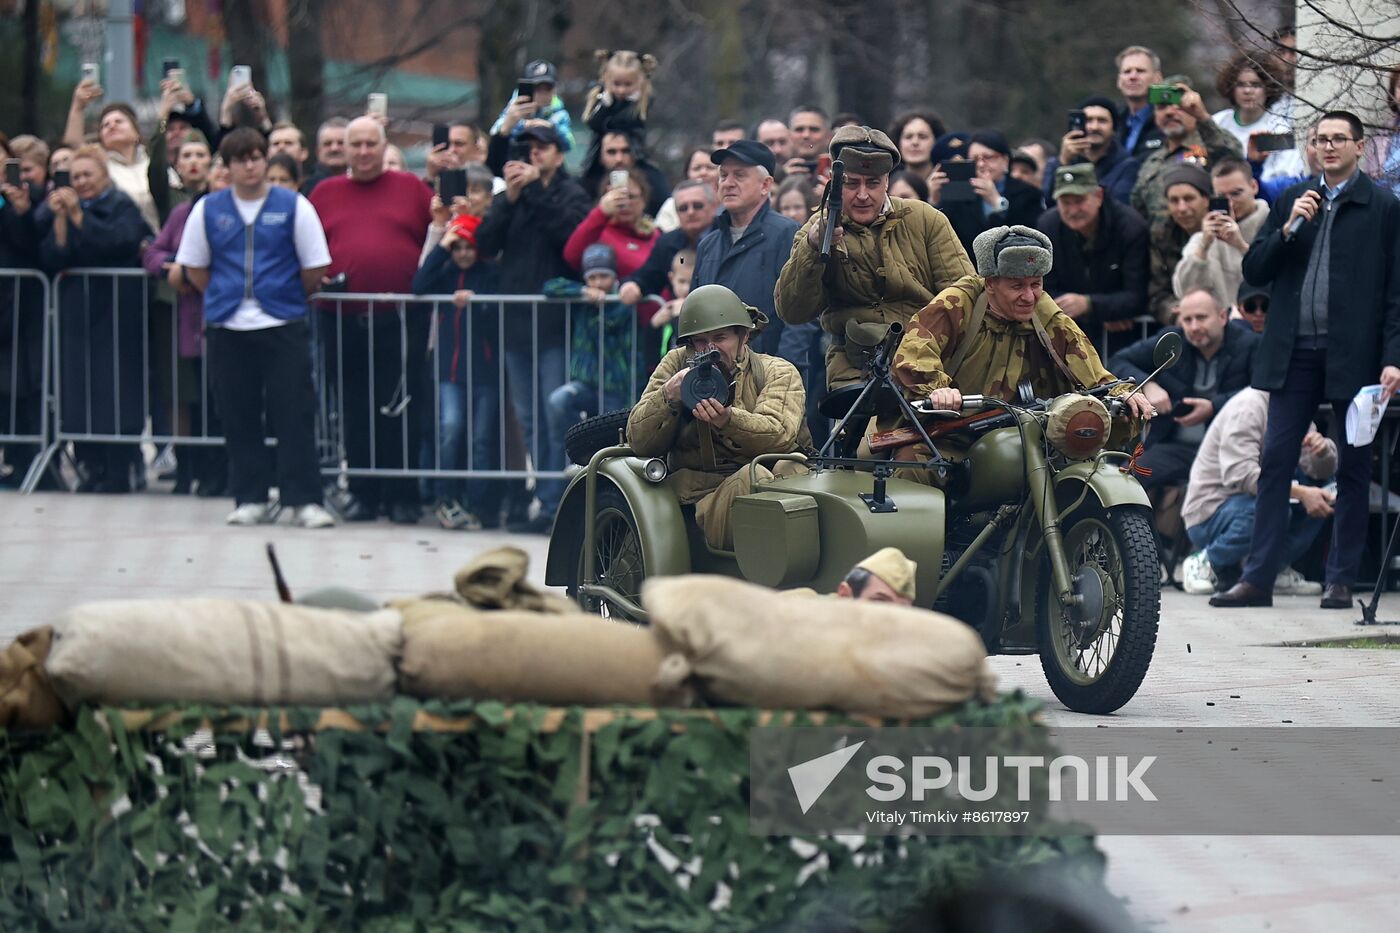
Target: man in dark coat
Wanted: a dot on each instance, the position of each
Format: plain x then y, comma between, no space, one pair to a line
101,332
528,225
21,327
1001,199
1100,272
1330,253
1214,365
748,247
1096,144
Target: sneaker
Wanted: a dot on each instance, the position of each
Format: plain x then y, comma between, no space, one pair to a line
312,515
453,517
1197,577
251,513
1290,582
165,461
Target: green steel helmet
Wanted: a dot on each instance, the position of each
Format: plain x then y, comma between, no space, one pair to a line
711,307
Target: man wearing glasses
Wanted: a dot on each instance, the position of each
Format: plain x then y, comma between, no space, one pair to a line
1251,308
1330,255
696,206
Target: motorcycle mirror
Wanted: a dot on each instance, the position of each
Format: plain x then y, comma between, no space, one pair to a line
1167,351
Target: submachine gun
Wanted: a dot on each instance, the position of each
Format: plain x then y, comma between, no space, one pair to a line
833,206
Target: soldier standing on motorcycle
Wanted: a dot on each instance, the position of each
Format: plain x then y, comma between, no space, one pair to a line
889,257
986,333
708,447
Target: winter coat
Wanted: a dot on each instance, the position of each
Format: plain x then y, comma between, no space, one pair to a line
1116,170
1112,271
629,243
1220,271
190,303
881,273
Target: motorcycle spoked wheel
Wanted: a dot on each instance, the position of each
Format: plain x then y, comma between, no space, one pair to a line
617,556
1096,665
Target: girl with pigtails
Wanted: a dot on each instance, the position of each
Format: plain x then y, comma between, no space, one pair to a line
616,114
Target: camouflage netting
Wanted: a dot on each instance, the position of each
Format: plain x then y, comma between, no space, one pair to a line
443,816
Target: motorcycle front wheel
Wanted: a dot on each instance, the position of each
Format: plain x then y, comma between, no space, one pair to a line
1095,656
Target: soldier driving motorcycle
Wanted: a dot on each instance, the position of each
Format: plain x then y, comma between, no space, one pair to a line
987,333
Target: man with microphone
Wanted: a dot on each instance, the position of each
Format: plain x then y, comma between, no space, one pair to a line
1330,255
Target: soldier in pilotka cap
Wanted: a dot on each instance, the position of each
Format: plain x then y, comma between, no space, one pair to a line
886,576
890,256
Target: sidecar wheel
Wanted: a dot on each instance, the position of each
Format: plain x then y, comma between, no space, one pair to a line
1096,662
617,555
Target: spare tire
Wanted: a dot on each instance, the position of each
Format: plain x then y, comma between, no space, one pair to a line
591,435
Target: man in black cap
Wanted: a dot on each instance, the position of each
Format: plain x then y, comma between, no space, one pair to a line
1098,144
1251,308
528,225
749,244
1001,199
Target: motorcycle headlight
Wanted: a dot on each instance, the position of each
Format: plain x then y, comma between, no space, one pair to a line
1077,426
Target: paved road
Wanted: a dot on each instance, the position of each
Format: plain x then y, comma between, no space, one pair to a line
57,550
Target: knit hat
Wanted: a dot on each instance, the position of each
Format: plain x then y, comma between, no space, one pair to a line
1098,100
891,566
599,257
1187,174
464,225
1012,252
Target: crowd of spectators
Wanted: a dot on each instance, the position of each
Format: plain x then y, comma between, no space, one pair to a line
1150,200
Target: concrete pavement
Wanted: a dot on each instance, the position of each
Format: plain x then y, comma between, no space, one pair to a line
1212,668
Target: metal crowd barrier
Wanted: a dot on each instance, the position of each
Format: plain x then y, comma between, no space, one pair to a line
110,358
24,348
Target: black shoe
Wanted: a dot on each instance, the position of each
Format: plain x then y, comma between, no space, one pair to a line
1336,596
540,525
1241,595
405,513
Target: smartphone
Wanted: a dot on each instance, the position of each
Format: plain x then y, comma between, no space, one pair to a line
168,65
1168,94
378,103
452,183
240,75
959,184
439,135
519,151
61,179
1220,205
824,164
12,176
1076,121
91,72
1181,409
617,178
1273,142
525,89
336,283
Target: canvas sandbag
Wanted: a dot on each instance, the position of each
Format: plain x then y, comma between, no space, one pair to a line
224,651
746,644
27,697
455,652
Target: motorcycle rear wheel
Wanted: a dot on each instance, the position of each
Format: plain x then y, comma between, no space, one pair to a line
1096,665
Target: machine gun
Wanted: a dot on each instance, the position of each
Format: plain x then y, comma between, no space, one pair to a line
833,206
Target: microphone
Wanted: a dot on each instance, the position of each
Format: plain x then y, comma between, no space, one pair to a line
1297,224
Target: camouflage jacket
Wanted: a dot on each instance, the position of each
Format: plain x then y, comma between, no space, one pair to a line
880,273
1002,354
1205,147
1165,245
768,417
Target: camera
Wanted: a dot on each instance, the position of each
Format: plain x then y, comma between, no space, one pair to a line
706,380
1168,94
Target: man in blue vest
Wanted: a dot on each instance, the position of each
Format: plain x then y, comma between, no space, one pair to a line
257,251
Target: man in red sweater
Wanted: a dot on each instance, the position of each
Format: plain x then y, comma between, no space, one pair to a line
375,221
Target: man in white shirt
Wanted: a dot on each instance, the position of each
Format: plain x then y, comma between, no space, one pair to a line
256,251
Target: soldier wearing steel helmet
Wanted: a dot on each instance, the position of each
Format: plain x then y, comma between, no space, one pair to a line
708,447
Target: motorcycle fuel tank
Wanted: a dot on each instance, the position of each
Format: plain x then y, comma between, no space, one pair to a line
996,471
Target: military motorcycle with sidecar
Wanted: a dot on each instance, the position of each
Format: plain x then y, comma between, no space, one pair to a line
1036,534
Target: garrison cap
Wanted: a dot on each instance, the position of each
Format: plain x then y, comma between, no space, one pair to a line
890,565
